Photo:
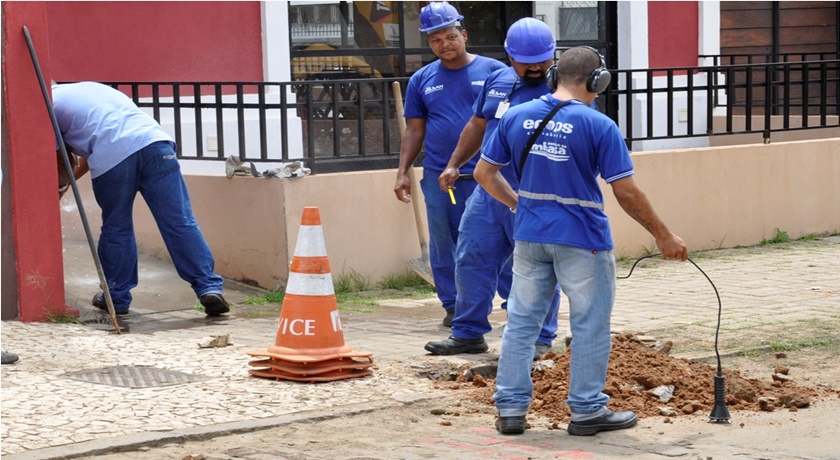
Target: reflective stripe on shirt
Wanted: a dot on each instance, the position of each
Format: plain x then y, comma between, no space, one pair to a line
560,199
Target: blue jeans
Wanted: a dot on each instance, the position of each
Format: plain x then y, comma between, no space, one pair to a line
155,173
444,219
483,265
588,279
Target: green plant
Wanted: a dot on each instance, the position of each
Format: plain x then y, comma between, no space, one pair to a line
352,281
808,237
409,279
268,297
780,237
61,317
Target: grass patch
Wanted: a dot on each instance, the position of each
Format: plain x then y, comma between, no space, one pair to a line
811,342
357,292
268,297
780,237
57,317
353,281
407,280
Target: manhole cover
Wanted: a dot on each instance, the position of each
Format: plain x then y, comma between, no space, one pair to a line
135,376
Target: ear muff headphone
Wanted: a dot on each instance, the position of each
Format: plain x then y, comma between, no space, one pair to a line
551,77
599,79
597,82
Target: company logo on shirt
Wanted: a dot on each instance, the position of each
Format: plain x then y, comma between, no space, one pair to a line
432,89
551,151
494,93
478,83
550,127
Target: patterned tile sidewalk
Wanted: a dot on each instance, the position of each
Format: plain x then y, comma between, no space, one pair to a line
45,413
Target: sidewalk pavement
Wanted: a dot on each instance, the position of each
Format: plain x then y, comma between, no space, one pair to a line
51,408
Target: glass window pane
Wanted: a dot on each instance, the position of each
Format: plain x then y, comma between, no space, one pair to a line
377,24
573,21
322,23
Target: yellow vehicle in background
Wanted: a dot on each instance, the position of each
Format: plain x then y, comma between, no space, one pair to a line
330,67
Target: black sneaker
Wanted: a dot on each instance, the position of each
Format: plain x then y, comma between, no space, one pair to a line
214,304
511,425
450,315
607,422
98,301
456,346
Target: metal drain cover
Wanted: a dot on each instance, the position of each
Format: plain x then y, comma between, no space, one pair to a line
135,376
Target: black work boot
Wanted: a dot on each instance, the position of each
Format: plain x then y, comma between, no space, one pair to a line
450,315
214,304
99,302
511,425
607,422
456,346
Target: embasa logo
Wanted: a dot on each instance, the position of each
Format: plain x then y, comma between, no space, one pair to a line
478,83
432,89
494,93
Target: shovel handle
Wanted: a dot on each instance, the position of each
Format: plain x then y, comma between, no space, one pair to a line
422,231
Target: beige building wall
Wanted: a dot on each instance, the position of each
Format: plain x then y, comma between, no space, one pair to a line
714,197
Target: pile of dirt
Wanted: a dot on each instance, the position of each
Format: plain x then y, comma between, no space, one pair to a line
637,376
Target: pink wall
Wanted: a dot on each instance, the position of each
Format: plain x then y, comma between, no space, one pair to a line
673,34
32,177
155,41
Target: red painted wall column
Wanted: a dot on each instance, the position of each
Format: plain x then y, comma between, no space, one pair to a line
32,173
673,34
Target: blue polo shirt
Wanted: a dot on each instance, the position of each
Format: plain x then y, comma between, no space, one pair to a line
444,98
560,200
504,86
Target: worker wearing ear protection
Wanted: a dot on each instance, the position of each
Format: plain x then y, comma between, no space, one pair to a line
485,245
558,147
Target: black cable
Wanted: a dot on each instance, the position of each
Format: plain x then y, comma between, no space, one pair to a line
719,412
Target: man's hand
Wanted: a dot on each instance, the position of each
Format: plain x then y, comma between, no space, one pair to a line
672,247
63,176
448,177
62,189
403,188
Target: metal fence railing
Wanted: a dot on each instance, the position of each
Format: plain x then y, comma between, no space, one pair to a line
674,103
350,124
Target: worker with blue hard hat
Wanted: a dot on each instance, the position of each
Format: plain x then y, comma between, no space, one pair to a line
437,15
485,245
438,103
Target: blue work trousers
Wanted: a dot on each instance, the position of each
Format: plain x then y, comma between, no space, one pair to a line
444,220
484,262
155,173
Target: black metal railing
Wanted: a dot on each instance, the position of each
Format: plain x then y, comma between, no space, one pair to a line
672,103
334,125
350,124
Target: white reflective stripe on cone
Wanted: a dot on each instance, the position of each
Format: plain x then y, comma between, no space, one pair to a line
310,284
310,242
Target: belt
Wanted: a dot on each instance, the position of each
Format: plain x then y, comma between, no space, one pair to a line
465,177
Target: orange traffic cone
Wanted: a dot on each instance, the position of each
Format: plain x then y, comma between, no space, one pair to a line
310,342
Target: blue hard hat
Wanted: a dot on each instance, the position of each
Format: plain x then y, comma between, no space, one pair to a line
438,15
530,41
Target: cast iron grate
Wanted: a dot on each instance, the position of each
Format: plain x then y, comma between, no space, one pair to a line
135,376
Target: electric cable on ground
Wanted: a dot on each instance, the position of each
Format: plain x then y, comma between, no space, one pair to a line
719,411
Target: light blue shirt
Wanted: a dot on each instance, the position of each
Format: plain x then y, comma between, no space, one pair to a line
102,124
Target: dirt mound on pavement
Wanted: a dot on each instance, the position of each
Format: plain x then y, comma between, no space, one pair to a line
637,376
